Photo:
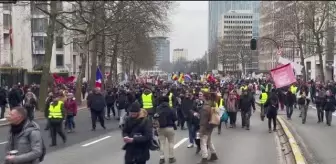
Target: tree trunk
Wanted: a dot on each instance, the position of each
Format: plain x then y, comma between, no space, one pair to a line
47,58
319,52
103,58
304,72
114,59
93,62
80,77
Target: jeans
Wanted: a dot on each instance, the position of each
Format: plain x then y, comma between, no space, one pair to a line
122,116
100,116
205,143
329,116
232,117
289,111
109,108
246,115
304,110
3,110
56,128
270,119
164,135
70,122
192,132
320,113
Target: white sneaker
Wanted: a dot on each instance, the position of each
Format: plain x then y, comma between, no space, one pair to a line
190,145
3,119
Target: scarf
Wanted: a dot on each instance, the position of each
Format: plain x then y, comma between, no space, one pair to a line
16,129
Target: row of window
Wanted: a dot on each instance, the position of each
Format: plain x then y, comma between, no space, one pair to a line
238,16
38,59
237,37
241,22
39,42
238,27
237,32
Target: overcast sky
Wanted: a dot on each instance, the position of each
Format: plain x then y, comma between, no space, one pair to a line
190,28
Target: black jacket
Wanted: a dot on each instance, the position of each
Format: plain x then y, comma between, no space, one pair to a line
140,129
167,114
97,102
110,99
246,102
329,104
187,104
14,98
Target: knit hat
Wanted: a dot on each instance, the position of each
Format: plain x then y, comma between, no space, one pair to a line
135,107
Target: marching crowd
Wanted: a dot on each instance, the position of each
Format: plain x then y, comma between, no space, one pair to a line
149,114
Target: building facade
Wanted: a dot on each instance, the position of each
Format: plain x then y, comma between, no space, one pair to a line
162,50
180,54
235,31
216,10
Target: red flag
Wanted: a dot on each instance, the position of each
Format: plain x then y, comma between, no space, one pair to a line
283,76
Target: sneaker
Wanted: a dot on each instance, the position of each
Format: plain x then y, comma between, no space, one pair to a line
162,161
203,161
213,157
269,131
190,146
172,160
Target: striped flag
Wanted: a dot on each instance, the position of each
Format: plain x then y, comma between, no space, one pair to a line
99,78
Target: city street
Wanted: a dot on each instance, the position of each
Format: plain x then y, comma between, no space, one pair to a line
239,146
319,139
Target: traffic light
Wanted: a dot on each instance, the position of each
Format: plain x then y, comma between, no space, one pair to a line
253,44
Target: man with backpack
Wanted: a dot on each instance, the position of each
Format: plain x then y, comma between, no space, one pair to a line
166,118
25,144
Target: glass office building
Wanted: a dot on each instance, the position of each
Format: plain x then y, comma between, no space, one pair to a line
217,8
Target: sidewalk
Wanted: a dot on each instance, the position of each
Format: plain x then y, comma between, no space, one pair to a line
38,115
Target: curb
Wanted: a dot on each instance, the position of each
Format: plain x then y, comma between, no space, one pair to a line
37,118
299,159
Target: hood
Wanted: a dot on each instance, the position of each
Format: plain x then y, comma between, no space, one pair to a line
30,126
147,92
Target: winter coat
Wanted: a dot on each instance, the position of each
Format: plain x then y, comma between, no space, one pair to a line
140,129
14,98
187,104
167,114
28,143
97,102
71,107
205,117
329,104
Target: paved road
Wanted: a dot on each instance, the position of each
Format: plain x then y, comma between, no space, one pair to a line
318,139
83,132
234,146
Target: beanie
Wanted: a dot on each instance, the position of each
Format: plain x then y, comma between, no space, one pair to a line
135,107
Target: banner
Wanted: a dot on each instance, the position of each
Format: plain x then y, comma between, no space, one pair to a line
283,76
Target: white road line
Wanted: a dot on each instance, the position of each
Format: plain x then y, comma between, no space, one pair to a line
180,143
1,143
98,140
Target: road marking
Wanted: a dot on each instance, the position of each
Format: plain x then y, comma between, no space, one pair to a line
180,143
1,143
98,140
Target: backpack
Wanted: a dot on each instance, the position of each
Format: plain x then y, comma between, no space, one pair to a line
161,118
215,117
44,150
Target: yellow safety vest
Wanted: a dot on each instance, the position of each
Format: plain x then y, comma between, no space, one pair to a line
263,99
293,89
221,103
147,101
55,111
205,89
243,88
171,100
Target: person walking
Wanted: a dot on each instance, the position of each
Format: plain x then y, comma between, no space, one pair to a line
137,133
246,103
25,138
96,103
71,108
56,115
3,103
272,105
110,99
166,117
30,103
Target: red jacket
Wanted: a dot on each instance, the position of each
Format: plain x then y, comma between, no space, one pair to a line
71,107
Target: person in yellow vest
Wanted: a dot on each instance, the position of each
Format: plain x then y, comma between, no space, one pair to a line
294,90
172,99
147,102
220,104
56,115
263,98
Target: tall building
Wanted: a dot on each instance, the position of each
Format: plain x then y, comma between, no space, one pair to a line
216,10
162,50
180,54
234,35
27,25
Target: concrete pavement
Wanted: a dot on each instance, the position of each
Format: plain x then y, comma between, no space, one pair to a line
234,146
83,132
317,140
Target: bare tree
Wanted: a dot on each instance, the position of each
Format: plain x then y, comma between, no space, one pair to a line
315,21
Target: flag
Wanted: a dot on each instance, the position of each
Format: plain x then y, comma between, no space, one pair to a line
99,78
283,76
175,77
187,77
181,78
